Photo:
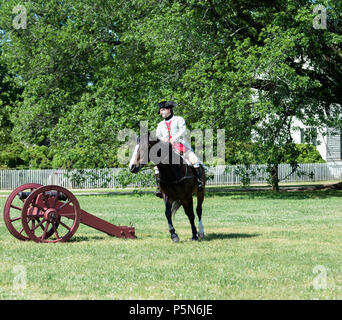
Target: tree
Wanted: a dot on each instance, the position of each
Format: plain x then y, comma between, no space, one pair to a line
9,93
92,68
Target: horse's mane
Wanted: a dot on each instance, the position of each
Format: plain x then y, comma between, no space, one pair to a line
174,157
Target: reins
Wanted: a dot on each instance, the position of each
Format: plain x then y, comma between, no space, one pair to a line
186,176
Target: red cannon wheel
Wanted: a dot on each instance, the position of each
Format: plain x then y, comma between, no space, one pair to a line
53,212
12,210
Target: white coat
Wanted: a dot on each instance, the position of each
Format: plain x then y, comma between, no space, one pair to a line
177,131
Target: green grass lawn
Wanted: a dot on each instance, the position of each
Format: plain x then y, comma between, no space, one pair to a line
258,245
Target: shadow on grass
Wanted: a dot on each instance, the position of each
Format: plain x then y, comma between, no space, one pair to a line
285,193
83,238
269,194
223,236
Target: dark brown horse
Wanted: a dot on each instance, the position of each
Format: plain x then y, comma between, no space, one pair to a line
177,180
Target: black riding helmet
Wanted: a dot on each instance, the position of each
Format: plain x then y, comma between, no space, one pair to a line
166,104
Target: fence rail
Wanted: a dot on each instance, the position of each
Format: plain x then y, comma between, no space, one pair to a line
219,175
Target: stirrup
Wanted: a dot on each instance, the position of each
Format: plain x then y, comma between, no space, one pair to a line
200,184
158,193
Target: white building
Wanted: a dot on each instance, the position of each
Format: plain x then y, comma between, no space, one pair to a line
327,142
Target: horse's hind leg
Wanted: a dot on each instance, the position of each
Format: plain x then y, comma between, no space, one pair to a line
200,199
168,213
189,210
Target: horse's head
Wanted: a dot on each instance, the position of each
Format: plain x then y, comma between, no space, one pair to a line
149,148
140,155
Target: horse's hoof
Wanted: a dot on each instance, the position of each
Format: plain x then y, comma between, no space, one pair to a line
200,235
194,238
174,238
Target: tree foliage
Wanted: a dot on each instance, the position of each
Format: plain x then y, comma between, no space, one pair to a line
88,69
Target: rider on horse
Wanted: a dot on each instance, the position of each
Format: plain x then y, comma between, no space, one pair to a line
172,129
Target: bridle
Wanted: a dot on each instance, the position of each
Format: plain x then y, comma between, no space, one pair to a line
186,176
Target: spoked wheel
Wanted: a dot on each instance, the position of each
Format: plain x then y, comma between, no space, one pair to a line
12,210
57,208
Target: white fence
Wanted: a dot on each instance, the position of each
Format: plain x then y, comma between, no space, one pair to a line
229,175
219,175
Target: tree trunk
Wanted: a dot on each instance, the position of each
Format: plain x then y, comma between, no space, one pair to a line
275,178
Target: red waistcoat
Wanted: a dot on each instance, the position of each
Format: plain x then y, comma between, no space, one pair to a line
177,146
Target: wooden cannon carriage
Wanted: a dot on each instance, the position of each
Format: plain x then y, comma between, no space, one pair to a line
52,214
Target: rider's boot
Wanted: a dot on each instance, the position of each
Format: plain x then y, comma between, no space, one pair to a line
199,178
158,192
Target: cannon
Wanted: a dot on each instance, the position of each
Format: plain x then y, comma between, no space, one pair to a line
52,214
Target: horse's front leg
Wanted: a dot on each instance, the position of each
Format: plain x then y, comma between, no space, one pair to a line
189,210
168,206
200,198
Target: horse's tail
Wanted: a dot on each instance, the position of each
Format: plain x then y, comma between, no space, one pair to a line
175,206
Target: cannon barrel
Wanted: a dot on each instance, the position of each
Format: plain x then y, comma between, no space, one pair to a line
61,196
